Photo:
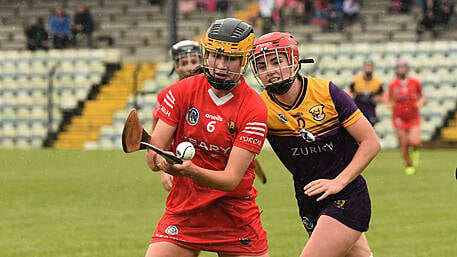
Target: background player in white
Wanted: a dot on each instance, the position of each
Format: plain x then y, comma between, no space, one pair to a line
211,206
322,138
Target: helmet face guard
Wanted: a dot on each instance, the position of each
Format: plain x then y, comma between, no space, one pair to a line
226,78
184,49
230,41
275,62
267,75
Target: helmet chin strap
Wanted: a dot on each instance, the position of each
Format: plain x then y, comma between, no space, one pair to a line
220,84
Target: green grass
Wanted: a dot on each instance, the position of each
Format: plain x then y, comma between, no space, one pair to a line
105,203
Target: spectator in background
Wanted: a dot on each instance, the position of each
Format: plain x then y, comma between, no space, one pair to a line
156,2
428,21
445,12
37,37
308,11
366,90
83,25
266,8
60,26
186,7
334,15
320,7
351,9
399,6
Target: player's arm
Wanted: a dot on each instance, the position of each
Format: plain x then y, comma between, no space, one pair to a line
369,146
165,178
224,180
362,132
350,90
379,95
161,137
421,100
389,99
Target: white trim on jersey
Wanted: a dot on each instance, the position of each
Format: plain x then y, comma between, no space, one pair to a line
257,123
170,94
166,101
255,133
254,128
169,99
220,100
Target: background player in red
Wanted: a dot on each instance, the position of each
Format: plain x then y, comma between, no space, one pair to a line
405,97
211,206
321,137
186,56
366,90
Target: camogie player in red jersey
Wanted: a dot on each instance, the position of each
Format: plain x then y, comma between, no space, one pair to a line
405,97
211,205
186,56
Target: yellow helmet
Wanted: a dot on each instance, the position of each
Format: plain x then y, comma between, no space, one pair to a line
229,37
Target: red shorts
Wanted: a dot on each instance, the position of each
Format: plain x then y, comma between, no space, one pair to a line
406,122
212,230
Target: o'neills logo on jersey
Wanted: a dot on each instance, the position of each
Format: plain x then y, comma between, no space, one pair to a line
192,116
212,117
317,112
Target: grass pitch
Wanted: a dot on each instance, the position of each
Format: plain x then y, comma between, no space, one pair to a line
105,203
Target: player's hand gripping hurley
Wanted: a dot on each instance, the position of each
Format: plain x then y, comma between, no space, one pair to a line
135,138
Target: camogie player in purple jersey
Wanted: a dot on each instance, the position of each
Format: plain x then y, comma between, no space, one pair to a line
322,138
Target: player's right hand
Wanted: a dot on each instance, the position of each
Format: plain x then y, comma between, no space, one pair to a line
167,180
151,157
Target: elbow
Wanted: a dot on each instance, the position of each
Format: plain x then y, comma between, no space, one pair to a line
228,188
376,146
229,185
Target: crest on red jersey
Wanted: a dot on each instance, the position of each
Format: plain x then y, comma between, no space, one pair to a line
192,116
231,126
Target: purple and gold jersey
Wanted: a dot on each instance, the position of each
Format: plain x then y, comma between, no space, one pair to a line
310,139
363,91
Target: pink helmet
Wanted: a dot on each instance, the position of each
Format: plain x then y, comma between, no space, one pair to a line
401,62
276,43
283,42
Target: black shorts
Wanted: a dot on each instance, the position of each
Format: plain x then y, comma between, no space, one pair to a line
352,207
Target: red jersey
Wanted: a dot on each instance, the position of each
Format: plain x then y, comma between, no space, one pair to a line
214,125
160,97
404,95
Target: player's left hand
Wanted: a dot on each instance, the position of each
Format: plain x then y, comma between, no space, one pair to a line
325,186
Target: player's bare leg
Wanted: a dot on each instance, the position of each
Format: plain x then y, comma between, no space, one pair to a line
263,255
403,141
414,140
331,238
167,249
361,248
